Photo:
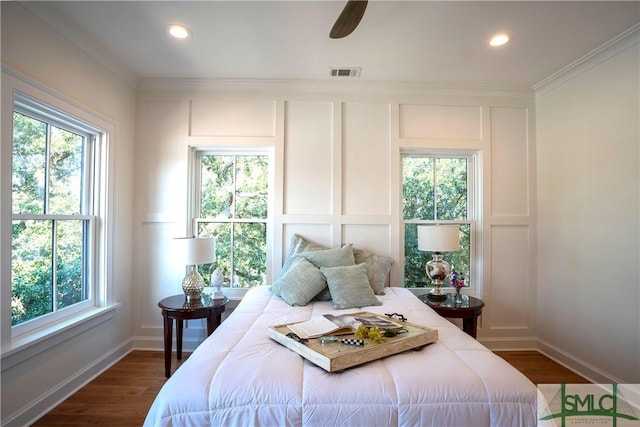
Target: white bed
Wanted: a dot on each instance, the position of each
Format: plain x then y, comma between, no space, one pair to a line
240,377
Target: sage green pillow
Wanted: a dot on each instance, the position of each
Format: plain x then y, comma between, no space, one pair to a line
378,268
331,257
349,286
300,283
324,295
298,244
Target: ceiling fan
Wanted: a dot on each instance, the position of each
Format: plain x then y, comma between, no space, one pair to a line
348,19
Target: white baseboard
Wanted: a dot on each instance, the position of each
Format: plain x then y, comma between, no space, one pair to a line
569,361
508,344
157,344
147,343
580,367
49,399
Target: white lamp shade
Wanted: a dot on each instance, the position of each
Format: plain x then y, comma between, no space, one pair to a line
439,238
197,250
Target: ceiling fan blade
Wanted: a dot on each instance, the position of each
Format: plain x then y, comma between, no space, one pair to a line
348,19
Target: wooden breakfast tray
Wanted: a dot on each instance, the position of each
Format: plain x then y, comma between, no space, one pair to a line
336,356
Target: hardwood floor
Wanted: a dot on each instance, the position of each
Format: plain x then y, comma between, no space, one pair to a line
539,368
122,395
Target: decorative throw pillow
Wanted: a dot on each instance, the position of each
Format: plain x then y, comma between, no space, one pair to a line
331,257
300,283
298,244
378,269
324,295
349,286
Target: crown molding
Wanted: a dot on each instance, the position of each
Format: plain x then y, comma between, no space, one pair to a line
622,42
327,88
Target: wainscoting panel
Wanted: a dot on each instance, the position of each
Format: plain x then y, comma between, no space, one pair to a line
509,156
159,271
317,233
161,168
370,237
440,121
308,173
374,238
366,156
510,272
232,118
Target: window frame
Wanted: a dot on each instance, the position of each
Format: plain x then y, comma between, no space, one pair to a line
193,211
473,211
32,100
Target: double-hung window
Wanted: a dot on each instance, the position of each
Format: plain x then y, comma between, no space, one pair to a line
231,203
437,190
55,203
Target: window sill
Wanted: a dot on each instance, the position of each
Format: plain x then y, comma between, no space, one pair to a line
38,341
234,294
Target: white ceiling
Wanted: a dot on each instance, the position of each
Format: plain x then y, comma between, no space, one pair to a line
443,43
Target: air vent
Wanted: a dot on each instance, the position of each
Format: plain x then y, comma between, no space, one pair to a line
345,72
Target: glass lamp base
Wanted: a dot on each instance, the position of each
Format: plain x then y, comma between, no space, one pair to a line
437,270
193,284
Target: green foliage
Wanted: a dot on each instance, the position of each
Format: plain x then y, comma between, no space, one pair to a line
252,187
31,270
47,179
418,190
217,173
69,263
433,189
234,201
29,160
251,249
65,175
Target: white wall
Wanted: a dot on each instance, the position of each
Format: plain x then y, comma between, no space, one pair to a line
40,379
588,212
337,148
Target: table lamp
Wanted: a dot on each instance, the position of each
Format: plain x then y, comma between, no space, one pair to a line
438,239
195,251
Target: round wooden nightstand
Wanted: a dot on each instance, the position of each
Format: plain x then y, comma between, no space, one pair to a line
468,310
177,307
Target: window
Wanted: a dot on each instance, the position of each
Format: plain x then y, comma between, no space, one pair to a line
232,199
55,192
436,190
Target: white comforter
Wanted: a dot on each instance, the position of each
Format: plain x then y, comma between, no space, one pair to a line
240,377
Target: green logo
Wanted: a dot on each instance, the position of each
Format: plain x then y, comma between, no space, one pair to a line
588,404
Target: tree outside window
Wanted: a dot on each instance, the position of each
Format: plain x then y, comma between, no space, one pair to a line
51,167
435,190
232,206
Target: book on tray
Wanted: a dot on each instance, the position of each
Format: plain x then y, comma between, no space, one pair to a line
343,324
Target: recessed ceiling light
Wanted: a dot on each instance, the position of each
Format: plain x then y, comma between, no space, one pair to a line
178,31
500,39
